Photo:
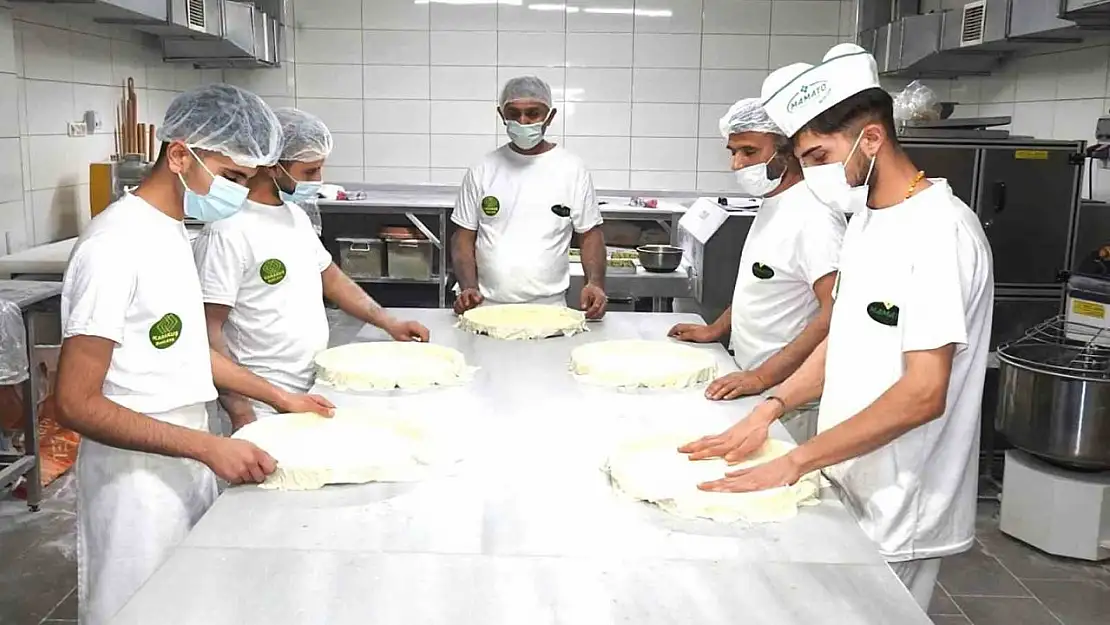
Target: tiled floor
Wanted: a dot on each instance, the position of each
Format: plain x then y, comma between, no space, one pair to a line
999,582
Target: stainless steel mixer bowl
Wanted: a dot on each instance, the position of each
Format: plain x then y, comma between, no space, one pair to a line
1060,415
659,258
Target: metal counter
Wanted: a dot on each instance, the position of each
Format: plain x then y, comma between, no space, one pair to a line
527,528
33,298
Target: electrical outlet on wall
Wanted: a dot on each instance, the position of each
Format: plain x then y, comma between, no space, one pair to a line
77,129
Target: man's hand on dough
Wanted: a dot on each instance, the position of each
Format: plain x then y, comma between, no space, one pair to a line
735,385
782,471
237,461
737,442
467,299
297,402
407,331
593,301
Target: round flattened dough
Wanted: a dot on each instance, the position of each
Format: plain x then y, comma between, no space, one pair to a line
653,470
523,321
647,364
350,448
387,365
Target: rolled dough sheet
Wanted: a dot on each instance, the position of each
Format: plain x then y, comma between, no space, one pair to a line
388,365
523,321
349,448
643,364
652,470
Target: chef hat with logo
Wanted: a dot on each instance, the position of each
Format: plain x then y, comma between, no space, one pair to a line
795,94
747,115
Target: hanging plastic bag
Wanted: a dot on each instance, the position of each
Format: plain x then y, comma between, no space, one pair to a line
917,102
13,344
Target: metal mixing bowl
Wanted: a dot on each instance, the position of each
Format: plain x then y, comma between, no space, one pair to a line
659,258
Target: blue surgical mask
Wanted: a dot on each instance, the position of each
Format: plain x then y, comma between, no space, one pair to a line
224,197
525,136
305,189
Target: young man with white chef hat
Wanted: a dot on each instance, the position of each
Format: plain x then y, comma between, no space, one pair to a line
136,370
782,300
264,274
516,212
901,373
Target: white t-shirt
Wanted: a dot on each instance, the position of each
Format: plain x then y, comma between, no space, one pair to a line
264,262
794,240
522,247
913,277
131,279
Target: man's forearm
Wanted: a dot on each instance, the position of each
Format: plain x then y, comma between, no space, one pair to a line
352,299
238,408
463,260
594,257
231,377
722,324
787,360
109,423
805,384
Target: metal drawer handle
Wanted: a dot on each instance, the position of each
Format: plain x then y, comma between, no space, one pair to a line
359,247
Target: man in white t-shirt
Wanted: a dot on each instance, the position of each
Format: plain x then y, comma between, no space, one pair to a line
516,212
903,366
136,369
264,274
782,301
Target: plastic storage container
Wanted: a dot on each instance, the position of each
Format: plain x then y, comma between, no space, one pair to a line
361,258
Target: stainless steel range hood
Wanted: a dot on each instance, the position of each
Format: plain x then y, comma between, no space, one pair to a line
157,17
249,38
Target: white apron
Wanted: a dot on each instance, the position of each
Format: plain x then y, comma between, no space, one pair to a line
133,509
554,300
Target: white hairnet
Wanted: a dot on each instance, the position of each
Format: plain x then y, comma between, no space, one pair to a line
748,115
307,139
530,87
224,119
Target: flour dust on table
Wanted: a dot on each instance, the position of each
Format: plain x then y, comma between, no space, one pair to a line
523,321
652,469
350,448
643,364
389,365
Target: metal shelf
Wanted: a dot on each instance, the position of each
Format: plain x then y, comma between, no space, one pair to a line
388,280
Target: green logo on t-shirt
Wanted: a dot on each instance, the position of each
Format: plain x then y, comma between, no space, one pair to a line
165,331
272,271
883,312
490,205
763,272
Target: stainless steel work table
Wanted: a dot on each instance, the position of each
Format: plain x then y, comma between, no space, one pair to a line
527,529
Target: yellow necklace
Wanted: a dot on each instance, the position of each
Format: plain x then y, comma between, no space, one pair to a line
913,185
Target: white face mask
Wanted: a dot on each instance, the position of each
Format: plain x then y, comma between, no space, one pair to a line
830,184
755,181
525,136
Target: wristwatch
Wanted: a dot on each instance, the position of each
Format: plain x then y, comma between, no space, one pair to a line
779,400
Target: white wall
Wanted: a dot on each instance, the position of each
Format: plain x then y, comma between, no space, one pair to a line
410,88
54,65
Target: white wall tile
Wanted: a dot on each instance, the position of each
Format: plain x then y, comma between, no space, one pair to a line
338,115
732,17
278,81
1075,119
394,150
8,42
11,171
525,18
725,86
104,100
328,14
329,81
464,48
49,106
665,85
597,119
663,180
394,15
348,150
997,89
787,49
50,163
395,47
713,155
406,82
667,51
609,178
463,16
464,118
92,59
441,175
536,49
734,52
329,46
397,116
601,152
1082,73
664,120
664,154
592,84
397,175
464,83
56,212
1034,119
1037,77
9,106
805,17
460,151
716,181
615,17
340,175
128,61
668,16
46,53
599,50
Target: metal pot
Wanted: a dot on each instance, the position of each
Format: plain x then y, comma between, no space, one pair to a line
659,258
1054,396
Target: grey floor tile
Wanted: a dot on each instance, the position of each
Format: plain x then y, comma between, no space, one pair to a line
1075,603
949,619
942,604
1029,563
976,573
1005,611
67,609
